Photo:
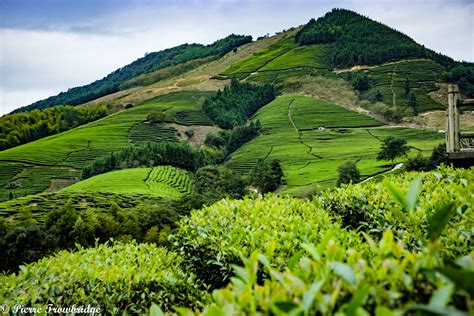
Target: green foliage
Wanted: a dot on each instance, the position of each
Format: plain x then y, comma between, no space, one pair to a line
165,73
229,141
359,40
124,278
392,148
180,155
149,63
39,225
315,266
348,173
237,102
463,75
216,182
215,237
267,176
21,128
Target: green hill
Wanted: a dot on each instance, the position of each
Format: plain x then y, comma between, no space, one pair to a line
310,155
149,63
56,161
163,181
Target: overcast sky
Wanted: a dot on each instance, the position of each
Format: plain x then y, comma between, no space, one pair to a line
48,46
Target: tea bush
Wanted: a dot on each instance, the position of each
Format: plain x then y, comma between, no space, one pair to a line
334,279
374,207
124,278
214,238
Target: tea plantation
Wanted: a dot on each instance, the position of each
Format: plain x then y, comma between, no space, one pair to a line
312,138
163,181
40,165
399,246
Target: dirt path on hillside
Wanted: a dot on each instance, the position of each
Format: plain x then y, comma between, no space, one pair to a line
366,67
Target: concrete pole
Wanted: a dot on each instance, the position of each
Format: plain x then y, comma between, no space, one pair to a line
457,128
450,121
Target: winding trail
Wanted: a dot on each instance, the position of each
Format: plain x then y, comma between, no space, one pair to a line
396,167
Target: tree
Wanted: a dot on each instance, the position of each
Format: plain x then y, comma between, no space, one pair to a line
348,172
267,176
392,148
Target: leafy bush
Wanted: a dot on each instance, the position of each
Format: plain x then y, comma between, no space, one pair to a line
267,175
348,172
216,182
333,279
214,238
369,208
124,278
392,148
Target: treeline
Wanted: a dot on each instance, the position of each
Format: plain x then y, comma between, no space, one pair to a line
359,40
175,154
165,73
237,102
149,63
21,128
26,239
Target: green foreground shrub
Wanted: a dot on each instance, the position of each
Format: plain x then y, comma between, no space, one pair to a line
124,277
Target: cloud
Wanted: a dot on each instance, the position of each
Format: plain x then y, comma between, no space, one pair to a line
53,45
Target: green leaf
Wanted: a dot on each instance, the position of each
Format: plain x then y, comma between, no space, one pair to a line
397,196
155,310
215,311
462,278
286,306
344,271
294,259
311,249
357,300
412,194
441,296
383,311
438,221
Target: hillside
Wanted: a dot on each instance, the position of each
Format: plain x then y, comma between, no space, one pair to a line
149,63
303,173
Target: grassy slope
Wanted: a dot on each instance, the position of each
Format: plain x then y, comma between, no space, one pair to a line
311,157
162,181
32,167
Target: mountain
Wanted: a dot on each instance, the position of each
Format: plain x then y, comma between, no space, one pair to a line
149,63
245,177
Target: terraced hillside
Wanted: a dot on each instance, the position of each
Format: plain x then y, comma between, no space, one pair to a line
312,138
391,81
56,161
162,181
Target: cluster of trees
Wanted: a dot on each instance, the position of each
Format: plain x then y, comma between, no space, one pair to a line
463,75
179,155
212,183
267,176
149,63
358,40
237,102
420,163
26,239
21,128
228,141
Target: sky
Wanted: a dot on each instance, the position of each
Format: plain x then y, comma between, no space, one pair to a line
48,46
